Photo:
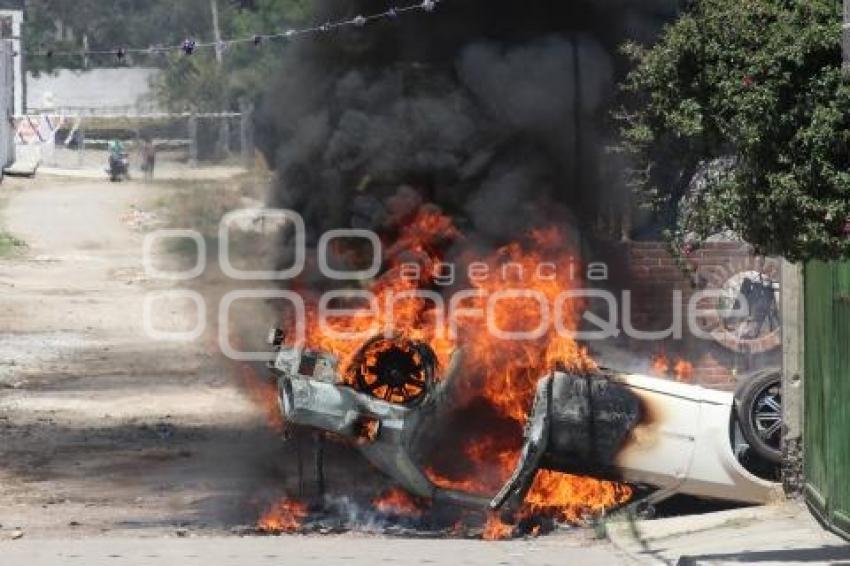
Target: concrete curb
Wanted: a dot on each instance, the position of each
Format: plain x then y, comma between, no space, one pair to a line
774,533
624,534
646,540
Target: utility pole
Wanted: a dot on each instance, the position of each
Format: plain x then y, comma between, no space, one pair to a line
845,38
85,51
219,56
224,130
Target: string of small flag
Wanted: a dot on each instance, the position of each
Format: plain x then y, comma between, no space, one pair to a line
190,45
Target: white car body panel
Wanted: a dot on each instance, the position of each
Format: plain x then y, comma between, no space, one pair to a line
686,445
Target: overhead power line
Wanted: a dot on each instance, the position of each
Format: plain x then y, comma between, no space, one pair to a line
190,45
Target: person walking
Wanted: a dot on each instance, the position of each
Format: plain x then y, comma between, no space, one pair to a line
148,159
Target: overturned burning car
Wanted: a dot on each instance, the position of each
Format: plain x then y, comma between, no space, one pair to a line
671,437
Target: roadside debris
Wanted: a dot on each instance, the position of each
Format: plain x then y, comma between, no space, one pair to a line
140,220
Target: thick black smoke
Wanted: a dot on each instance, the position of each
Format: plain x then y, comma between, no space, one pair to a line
496,110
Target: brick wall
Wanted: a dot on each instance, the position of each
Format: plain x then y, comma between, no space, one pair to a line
652,275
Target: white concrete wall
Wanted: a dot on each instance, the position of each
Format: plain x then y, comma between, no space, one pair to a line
92,92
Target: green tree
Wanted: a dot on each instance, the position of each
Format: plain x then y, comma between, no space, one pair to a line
193,84
196,83
749,97
199,83
108,26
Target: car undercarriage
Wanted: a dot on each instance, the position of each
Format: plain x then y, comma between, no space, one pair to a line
672,438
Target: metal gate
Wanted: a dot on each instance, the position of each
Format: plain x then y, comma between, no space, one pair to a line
826,434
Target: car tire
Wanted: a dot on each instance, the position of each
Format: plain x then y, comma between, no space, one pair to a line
758,402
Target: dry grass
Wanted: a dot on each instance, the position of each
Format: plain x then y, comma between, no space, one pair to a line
9,244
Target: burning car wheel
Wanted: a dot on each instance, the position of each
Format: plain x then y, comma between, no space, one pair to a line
759,404
396,370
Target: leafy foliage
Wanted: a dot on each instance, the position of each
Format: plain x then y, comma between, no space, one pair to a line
60,25
199,83
196,83
748,97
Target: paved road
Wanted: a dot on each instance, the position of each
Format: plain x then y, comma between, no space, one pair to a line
350,550
773,534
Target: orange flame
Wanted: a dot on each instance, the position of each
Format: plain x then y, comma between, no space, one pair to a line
681,369
285,516
398,502
495,529
468,484
660,365
528,277
570,498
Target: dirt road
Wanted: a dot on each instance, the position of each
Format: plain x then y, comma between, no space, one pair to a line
105,429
